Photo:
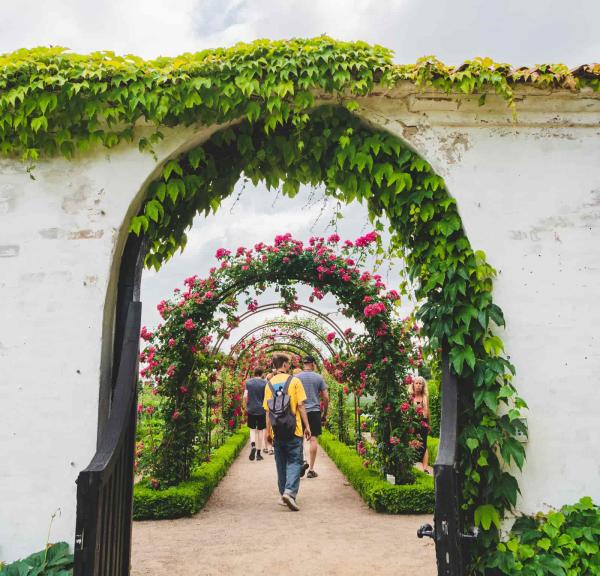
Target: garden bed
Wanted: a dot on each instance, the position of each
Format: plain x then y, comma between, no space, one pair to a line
189,497
381,496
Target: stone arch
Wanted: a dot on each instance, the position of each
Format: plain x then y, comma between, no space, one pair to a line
453,279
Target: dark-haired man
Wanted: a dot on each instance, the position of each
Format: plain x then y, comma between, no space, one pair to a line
315,388
254,395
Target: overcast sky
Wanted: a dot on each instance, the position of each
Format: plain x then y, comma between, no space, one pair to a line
516,31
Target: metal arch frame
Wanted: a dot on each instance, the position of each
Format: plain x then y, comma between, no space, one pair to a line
301,307
274,346
281,323
308,344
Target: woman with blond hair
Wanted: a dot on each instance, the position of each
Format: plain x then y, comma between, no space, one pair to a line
420,400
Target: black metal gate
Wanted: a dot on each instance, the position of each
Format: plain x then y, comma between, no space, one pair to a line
105,487
448,531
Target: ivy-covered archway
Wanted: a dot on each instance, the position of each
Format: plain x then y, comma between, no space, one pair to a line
57,104
358,162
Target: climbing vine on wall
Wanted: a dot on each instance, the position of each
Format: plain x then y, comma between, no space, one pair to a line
55,102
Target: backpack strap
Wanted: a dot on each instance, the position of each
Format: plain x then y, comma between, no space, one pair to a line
271,388
287,384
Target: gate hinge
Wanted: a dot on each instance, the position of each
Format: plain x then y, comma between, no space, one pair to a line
79,540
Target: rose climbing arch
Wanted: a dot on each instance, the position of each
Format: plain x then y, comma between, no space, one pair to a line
179,350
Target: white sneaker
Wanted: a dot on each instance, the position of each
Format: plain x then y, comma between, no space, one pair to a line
290,502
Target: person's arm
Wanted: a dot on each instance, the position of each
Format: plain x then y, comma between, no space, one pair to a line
304,417
246,396
269,429
426,407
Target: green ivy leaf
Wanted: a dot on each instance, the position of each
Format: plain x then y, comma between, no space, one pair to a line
486,515
39,123
460,355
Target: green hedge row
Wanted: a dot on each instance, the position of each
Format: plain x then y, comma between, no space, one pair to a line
417,498
432,446
189,497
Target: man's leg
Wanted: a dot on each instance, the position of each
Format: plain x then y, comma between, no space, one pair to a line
280,464
314,419
260,435
312,453
293,466
252,425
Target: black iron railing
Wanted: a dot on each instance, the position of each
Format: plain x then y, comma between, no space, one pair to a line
105,487
447,531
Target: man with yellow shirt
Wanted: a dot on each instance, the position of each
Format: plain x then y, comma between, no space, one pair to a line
288,451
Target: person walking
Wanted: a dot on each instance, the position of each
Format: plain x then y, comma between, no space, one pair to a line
254,396
315,388
284,403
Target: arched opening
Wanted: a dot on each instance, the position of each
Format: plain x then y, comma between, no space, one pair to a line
356,161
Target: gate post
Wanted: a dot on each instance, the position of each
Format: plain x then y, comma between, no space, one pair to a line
447,531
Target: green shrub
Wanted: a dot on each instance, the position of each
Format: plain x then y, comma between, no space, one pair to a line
563,543
188,497
432,446
55,560
435,407
417,498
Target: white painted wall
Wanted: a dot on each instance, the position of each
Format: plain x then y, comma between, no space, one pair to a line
529,195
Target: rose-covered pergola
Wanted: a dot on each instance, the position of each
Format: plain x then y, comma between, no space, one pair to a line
180,349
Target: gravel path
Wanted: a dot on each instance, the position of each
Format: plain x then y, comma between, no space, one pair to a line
243,531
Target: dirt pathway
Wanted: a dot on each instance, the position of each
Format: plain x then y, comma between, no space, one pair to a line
243,531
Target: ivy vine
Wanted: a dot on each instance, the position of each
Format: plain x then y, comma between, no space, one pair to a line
54,102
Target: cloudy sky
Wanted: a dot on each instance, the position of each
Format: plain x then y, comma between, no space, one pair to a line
515,31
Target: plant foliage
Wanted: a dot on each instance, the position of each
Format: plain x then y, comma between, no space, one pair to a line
559,543
55,560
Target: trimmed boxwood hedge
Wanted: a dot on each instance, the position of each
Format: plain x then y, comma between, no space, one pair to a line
188,497
417,498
